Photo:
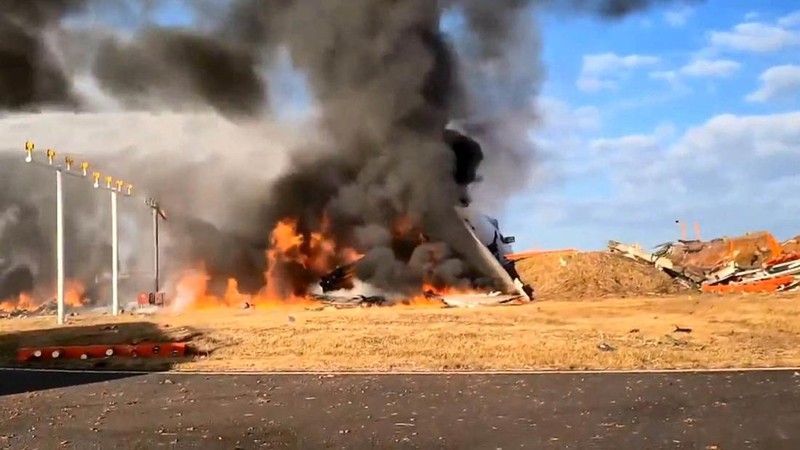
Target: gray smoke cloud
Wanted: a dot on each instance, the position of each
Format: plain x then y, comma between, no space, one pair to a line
385,83
30,75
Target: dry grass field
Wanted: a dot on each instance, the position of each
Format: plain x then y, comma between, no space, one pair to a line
607,333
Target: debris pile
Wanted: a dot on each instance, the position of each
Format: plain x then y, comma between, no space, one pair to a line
755,262
344,302
45,309
580,275
430,298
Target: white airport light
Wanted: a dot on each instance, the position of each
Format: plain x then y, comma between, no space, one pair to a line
120,183
109,180
129,189
29,146
51,155
96,177
84,168
68,161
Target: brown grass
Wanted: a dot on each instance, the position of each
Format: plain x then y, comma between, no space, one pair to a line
729,331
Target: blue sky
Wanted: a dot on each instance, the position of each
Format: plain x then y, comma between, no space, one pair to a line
679,112
689,113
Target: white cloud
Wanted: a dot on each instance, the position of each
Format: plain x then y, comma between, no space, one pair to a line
790,20
728,155
603,70
609,62
699,68
558,116
752,137
752,15
728,173
670,76
678,17
588,83
776,82
756,37
719,68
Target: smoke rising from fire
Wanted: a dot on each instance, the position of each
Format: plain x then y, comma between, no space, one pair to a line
185,115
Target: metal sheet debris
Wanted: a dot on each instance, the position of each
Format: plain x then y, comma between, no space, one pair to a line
755,262
467,300
479,300
342,302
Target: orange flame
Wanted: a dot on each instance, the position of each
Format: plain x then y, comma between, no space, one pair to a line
316,253
24,302
74,291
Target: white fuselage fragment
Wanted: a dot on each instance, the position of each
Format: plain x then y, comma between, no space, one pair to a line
487,230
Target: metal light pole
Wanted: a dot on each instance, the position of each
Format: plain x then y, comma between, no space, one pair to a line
157,212
114,235
60,245
155,251
51,154
114,256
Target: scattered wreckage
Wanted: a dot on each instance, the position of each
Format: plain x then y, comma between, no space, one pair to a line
464,300
475,234
494,250
755,262
46,309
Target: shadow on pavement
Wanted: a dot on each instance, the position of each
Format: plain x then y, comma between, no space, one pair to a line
17,382
14,382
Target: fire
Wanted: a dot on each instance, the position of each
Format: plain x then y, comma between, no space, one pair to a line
23,302
192,295
296,259
74,291
446,290
316,253
191,291
428,297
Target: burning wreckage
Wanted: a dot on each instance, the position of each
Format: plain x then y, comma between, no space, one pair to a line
490,246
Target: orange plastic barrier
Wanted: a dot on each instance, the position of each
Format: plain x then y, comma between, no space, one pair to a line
770,285
144,350
786,257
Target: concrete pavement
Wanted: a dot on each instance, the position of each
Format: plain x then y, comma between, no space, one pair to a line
605,411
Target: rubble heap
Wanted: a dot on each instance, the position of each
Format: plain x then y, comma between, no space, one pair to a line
583,275
46,309
754,262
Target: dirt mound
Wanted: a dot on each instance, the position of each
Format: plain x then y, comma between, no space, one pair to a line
791,245
593,274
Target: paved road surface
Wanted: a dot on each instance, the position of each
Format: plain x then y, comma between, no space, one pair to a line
610,411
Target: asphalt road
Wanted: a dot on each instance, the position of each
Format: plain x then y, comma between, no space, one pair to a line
608,411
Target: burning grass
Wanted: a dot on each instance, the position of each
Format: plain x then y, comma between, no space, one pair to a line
729,331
